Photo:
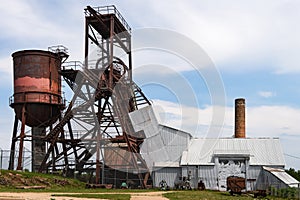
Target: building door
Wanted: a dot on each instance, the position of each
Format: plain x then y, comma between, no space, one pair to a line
229,167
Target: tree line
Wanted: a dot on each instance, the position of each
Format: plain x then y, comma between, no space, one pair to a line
294,173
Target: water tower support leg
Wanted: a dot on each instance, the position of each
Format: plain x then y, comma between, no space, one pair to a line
22,136
13,145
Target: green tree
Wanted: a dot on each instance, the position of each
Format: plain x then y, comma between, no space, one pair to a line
294,173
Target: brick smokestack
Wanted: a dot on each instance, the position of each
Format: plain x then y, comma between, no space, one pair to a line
239,131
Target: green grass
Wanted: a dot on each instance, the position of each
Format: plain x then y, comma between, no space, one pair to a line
74,186
207,195
99,196
50,179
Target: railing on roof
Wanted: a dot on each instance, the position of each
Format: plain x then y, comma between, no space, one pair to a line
103,10
75,65
58,49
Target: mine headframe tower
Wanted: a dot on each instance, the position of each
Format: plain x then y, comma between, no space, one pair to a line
104,95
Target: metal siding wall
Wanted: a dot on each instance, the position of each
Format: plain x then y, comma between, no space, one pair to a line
253,173
175,142
194,176
264,179
273,181
209,175
169,174
184,170
172,136
167,146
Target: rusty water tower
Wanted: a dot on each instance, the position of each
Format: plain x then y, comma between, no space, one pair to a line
37,99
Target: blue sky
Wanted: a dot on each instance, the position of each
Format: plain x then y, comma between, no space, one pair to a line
253,44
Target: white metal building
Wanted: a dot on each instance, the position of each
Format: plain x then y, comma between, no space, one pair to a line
213,160
171,153
162,149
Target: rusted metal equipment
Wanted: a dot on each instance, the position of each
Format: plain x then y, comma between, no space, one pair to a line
235,185
37,100
183,183
104,95
259,193
37,85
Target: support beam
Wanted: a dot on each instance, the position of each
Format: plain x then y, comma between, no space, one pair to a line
13,145
22,136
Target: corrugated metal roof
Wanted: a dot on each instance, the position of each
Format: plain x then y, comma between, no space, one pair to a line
262,151
283,176
144,119
162,143
166,164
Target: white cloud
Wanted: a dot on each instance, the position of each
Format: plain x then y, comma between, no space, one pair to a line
261,121
273,120
266,94
25,25
191,119
238,35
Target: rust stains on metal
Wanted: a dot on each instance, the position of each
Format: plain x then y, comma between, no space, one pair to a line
37,84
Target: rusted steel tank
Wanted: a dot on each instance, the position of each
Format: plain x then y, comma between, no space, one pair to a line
37,86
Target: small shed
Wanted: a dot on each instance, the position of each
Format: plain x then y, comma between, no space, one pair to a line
277,178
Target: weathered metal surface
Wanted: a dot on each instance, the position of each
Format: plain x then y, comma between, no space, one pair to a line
261,151
169,174
236,184
176,141
277,177
38,147
227,168
37,84
104,94
252,175
162,143
209,176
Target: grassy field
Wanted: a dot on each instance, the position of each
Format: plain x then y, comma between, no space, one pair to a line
9,180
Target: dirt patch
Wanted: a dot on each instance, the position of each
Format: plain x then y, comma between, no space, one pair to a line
36,196
148,196
47,196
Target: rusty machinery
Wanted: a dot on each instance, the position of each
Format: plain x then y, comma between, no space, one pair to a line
104,95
